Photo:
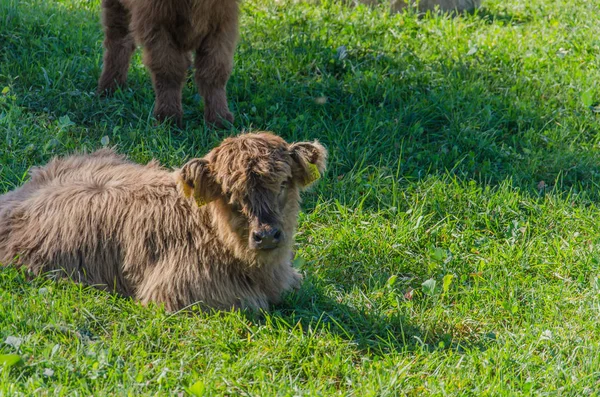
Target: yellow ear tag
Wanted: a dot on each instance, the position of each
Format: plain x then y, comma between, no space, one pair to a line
188,191
199,201
314,173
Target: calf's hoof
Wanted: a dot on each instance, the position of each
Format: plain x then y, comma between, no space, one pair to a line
106,90
173,117
108,87
221,119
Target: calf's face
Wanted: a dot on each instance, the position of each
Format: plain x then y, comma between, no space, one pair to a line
253,182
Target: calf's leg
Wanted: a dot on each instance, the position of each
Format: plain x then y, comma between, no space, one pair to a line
214,62
118,46
168,66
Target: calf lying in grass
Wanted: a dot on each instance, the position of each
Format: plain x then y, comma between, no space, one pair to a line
169,30
219,231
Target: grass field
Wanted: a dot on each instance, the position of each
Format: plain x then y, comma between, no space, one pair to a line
451,249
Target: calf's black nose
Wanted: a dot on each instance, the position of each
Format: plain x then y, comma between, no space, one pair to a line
267,238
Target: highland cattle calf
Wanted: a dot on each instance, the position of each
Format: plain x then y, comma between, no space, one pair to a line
168,31
218,232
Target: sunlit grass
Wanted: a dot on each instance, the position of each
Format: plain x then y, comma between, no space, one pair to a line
451,249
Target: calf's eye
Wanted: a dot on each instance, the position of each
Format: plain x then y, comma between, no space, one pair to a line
236,207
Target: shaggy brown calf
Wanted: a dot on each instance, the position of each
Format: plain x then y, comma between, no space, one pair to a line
219,231
169,30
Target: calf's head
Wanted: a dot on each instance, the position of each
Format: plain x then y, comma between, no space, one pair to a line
253,183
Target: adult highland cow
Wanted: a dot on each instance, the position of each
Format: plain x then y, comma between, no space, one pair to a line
168,31
219,231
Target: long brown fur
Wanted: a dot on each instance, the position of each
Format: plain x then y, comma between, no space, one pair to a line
169,30
103,220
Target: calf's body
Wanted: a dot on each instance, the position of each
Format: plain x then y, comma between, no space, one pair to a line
138,229
169,31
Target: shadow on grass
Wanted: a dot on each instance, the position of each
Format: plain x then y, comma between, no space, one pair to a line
503,17
52,58
472,117
371,331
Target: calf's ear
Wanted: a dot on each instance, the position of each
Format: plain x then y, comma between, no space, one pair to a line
197,180
310,160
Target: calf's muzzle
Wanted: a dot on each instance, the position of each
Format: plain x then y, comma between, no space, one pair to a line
266,238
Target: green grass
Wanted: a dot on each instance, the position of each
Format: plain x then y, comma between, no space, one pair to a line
451,249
